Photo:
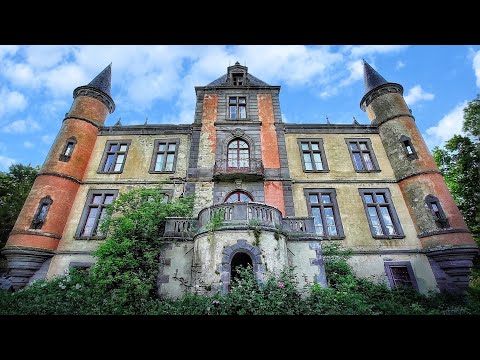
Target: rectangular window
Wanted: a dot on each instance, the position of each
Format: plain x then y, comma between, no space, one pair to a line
400,273
164,156
67,150
94,212
362,155
313,155
381,214
237,107
322,205
114,157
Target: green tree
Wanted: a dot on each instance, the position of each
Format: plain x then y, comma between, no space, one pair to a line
15,186
459,162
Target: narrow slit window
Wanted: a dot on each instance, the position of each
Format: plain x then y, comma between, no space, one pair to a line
408,147
67,150
40,216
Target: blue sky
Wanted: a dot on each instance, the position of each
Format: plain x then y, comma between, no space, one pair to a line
36,85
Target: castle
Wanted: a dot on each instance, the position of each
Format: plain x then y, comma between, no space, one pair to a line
281,189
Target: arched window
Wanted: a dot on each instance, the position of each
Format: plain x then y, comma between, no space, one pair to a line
435,208
41,213
238,154
238,196
68,149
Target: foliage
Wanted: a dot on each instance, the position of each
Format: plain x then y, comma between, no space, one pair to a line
255,224
459,163
215,222
123,279
15,186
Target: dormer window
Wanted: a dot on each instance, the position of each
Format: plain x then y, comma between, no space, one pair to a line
237,79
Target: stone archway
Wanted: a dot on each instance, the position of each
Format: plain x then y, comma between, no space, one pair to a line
229,254
239,259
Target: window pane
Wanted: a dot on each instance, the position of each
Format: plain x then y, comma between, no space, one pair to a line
400,276
304,146
326,199
69,149
232,100
43,212
353,146
380,198
318,161
434,207
233,112
123,148
232,162
108,163
119,162
103,213
409,150
377,228
357,161
242,100
92,214
368,161
171,147
315,146
387,220
159,163
242,145
313,198
162,147
317,220
363,146
368,198
97,199
108,199
330,221
233,145
308,161
242,112
113,147
169,166
244,197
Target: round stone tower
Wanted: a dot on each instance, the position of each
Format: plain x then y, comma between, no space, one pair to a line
440,226
39,227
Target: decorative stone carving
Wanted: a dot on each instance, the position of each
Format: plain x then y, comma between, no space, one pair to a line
238,132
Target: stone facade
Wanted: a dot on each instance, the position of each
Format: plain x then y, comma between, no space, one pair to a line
369,187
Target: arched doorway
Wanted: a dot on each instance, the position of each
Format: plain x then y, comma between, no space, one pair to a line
239,259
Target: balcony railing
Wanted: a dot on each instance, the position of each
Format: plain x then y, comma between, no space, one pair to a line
251,169
240,214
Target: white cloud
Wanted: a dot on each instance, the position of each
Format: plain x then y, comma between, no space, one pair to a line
21,126
28,144
48,139
476,67
416,94
363,50
6,161
400,64
448,126
11,101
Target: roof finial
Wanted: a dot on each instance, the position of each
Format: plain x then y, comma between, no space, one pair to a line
355,122
237,63
328,121
146,121
119,122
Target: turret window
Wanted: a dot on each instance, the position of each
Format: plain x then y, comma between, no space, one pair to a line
436,210
114,157
408,147
362,155
67,150
237,107
41,213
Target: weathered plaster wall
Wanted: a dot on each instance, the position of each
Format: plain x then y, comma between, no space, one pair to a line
373,268
139,157
175,270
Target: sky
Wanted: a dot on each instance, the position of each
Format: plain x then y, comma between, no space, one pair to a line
156,84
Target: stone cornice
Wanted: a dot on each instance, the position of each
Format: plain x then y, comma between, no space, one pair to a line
96,94
378,91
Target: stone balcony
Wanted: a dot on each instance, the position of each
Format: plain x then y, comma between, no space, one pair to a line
240,215
254,171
